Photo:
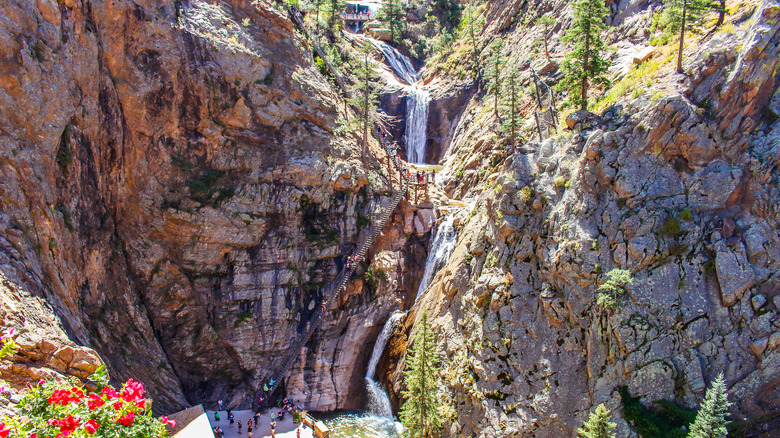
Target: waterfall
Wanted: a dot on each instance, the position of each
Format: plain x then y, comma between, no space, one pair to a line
441,250
378,401
416,124
417,102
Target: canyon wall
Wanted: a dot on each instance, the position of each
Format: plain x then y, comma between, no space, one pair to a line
676,182
176,189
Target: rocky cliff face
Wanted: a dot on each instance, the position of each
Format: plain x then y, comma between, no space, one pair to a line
173,187
677,182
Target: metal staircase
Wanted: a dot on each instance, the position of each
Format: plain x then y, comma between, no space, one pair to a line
366,240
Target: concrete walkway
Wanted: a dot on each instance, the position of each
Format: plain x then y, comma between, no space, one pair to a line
284,429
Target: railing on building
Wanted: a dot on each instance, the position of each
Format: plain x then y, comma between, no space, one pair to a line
357,17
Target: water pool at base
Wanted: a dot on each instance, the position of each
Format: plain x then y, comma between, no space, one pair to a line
358,424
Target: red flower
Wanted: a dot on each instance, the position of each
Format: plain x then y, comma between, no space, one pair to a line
91,426
94,402
69,424
4,431
126,420
109,392
41,382
33,435
140,403
165,420
60,396
76,395
118,405
132,391
54,422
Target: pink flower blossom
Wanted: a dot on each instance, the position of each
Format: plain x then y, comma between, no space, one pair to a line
91,426
165,420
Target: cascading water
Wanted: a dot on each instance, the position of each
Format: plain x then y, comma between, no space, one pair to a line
441,250
378,401
416,105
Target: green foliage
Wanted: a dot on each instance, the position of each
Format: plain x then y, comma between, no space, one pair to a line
511,105
560,182
547,21
332,10
667,420
364,94
585,64
493,72
10,347
472,25
682,15
671,227
614,288
711,419
204,187
393,16
67,218
373,276
58,408
598,424
420,410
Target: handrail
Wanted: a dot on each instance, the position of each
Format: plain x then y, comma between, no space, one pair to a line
338,283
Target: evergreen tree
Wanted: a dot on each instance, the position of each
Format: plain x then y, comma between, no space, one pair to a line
392,14
680,14
420,411
598,425
472,26
363,93
334,8
711,419
512,105
614,288
494,69
547,21
585,63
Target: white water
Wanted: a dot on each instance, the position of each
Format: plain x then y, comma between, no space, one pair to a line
378,401
416,105
441,250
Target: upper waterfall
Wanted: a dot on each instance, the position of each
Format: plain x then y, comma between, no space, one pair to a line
415,134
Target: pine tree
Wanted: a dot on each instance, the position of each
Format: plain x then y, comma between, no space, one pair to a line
392,14
334,8
585,63
363,93
720,7
547,21
494,69
511,105
420,411
598,424
680,14
711,419
472,25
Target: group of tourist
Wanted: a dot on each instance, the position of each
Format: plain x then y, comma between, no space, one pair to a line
252,424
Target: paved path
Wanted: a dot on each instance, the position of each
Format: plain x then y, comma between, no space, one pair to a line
284,429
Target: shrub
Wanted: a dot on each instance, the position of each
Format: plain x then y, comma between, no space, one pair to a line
560,183
671,227
58,409
614,288
686,215
526,194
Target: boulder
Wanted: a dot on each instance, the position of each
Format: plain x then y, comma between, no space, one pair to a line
735,275
579,117
713,186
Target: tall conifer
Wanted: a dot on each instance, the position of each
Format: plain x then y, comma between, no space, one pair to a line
585,65
598,425
420,411
711,419
363,93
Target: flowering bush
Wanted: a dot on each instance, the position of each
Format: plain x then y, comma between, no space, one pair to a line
56,410
9,346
